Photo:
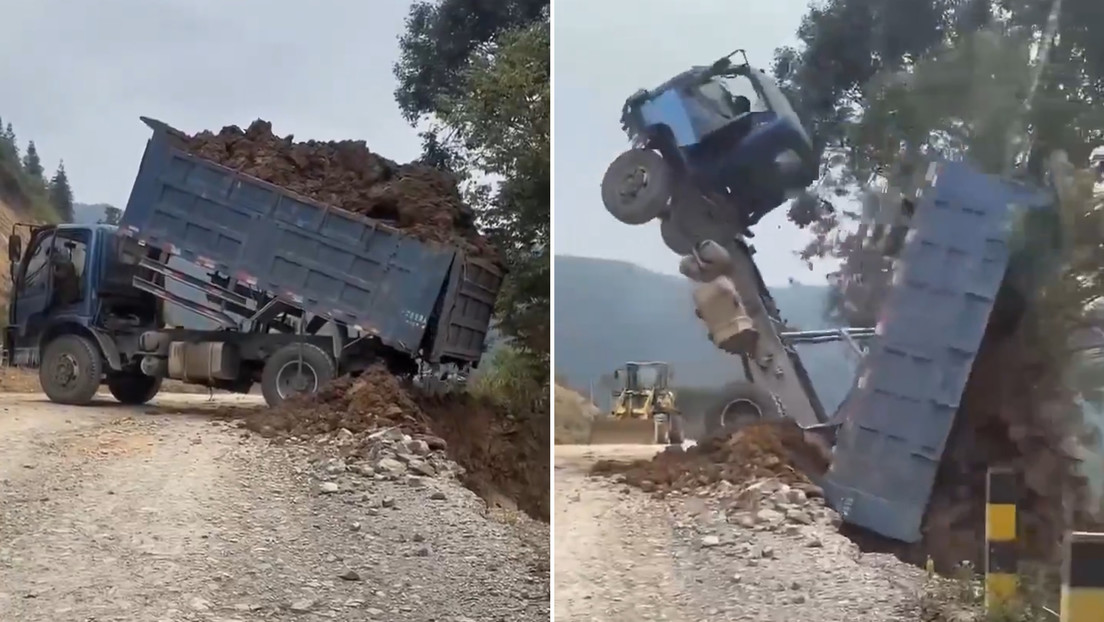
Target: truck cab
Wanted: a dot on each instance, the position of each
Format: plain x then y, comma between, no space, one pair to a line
71,287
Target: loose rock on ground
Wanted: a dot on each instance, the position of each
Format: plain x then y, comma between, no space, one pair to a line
131,513
761,549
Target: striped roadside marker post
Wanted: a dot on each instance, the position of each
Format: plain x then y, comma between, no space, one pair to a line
1083,578
1001,558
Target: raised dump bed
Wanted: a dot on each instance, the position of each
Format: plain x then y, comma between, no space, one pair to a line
415,297
965,249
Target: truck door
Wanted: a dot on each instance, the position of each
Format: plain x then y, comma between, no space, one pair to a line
31,296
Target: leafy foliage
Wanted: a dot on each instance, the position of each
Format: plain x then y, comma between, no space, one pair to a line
505,117
477,75
935,77
112,215
513,379
439,41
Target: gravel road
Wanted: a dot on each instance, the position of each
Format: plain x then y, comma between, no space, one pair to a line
110,513
621,555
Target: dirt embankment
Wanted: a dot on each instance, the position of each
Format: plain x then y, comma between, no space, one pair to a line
422,201
573,415
505,455
9,216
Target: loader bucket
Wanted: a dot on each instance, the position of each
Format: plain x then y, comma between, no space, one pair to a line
966,246
610,431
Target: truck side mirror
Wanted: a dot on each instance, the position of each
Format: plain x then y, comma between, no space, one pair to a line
15,248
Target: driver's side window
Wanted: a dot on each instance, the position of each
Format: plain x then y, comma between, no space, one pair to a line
36,275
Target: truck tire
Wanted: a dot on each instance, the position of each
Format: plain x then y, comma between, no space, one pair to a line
741,404
71,370
133,388
637,186
281,378
674,237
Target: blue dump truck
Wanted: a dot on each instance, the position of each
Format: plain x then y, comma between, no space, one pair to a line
299,292
970,250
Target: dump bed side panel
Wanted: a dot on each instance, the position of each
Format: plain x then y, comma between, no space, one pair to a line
902,408
326,260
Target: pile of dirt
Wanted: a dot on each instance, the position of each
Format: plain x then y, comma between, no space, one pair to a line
505,455
774,450
373,400
421,200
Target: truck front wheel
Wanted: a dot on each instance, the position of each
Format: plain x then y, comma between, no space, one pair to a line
133,388
296,368
637,186
71,370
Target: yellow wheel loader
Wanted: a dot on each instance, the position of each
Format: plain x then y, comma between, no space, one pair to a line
643,409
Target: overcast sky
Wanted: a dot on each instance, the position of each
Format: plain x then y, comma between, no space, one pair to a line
604,50
75,76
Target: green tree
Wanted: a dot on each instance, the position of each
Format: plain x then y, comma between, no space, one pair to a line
935,77
112,215
505,120
9,151
439,40
61,195
477,74
32,164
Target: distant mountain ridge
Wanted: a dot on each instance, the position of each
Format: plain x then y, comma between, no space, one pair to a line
608,312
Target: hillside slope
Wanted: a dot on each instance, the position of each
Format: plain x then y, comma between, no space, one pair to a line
9,216
609,312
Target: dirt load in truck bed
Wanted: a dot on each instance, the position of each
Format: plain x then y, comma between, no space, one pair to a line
421,200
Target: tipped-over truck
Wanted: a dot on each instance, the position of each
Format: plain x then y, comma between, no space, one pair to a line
298,292
969,251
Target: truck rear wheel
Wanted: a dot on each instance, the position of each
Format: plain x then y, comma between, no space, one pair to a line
294,369
133,388
741,404
71,370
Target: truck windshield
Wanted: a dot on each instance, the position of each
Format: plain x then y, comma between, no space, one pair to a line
730,97
779,103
